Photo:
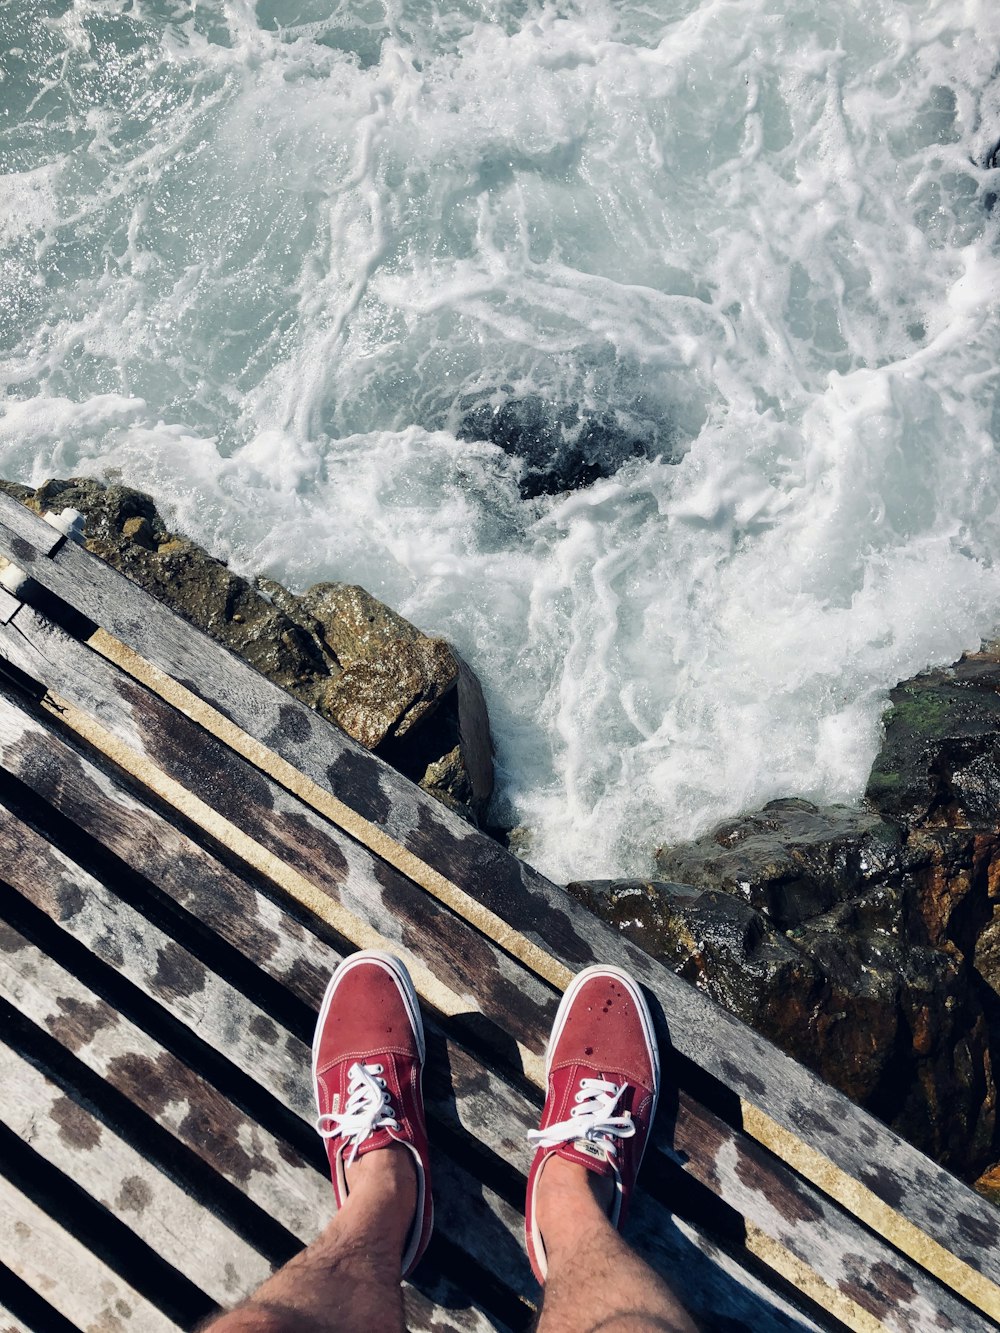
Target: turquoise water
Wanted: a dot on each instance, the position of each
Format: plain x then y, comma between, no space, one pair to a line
262,259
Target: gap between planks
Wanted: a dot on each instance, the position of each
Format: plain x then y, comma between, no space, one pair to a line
836,1183
187,1235
345,922
84,581
813,1280
72,1279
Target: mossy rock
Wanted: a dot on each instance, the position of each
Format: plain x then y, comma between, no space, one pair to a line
940,761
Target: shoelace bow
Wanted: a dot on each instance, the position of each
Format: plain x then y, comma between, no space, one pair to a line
592,1117
368,1107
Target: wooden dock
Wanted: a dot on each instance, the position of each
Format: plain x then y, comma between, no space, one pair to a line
185,854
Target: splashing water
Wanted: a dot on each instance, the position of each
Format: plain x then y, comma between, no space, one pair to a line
263,260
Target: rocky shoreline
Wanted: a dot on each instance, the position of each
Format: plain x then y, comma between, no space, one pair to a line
400,693
864,942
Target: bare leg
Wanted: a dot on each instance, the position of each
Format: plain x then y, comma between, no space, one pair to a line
595,1281
347,1279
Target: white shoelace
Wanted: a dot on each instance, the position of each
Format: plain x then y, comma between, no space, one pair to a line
592,1117
368,1108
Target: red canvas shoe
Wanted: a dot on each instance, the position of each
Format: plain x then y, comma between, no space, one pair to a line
368,1059
603,1074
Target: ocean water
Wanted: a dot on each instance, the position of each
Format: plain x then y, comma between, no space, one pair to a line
265,260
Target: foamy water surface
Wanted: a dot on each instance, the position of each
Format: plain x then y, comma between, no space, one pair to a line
260,259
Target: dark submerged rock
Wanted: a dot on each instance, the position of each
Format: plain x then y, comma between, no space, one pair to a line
397,691
561,448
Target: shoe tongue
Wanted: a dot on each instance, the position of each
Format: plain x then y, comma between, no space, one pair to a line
591,1153
379,1138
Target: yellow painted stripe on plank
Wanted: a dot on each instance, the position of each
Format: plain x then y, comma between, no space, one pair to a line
873,1211
363,830
976,1288
805,1279
290,881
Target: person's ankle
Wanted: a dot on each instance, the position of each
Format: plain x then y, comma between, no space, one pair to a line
570,1199
390,1170
385,1182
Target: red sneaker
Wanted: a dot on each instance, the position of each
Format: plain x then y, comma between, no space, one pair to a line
603,1073
368,1059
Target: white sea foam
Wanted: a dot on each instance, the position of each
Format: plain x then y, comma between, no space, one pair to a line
256,259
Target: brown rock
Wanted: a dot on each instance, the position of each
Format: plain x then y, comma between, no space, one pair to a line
398,675
388,685
846,942
393,681
988,1184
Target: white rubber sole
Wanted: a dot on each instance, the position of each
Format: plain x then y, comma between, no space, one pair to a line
397,971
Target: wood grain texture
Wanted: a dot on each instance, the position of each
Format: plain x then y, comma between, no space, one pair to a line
10,1323
72,1279
468,973
265,1169
868,1167
161,968
29,536
9,606
463,1096
471,1215
268,1170
183,1232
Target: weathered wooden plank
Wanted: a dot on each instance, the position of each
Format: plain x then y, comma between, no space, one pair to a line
9,606
473,1217
185,872
181,1230
53,882
462,1095
862,1163
160,967
266,1170
10,1323
829,1257
29,535
72,1279
272,717
462,971
851,1267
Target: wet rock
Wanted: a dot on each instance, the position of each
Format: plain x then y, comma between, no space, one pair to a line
939,764
393,680
395,690
895,1025
718,942
124,528
791,860
867,949
391,676
988,1184
561,448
